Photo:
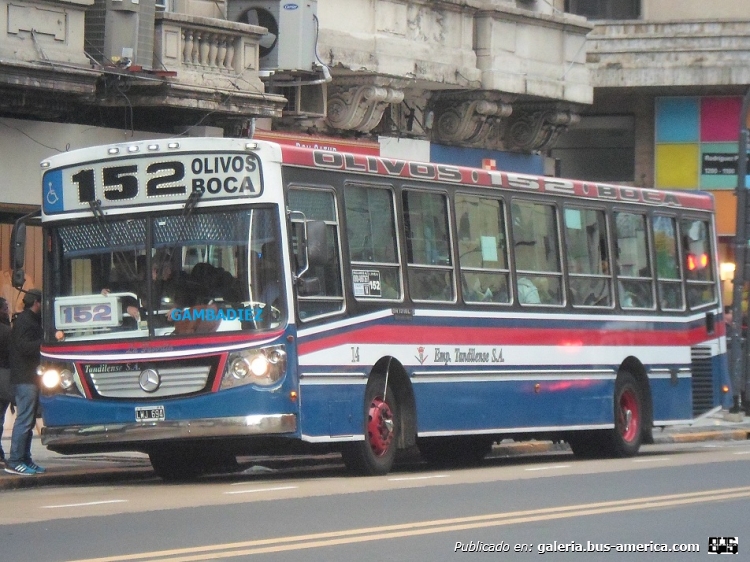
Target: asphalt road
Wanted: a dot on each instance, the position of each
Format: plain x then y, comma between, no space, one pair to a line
676,495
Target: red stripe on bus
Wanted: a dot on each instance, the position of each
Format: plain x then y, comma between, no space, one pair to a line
447,174
197,343
406,335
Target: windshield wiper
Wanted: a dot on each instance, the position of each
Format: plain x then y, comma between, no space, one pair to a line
101,220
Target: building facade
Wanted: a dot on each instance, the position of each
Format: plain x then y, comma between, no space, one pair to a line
503,76
669,77
632,91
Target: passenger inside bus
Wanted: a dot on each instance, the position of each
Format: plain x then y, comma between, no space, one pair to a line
527,291
165,292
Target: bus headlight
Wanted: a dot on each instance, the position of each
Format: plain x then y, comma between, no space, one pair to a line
265,367
51,378
56,378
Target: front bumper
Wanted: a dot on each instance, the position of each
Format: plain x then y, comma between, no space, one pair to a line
137,432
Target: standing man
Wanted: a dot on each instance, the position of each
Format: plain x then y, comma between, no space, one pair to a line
25,343
4,365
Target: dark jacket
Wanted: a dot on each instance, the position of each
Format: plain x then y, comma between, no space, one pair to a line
25,341
4,343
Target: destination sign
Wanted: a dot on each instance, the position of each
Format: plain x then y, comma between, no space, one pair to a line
150,180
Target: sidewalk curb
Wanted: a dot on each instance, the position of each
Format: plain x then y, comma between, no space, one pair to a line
140,469
698,436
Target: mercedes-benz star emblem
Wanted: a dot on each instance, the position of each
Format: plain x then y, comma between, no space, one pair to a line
149,380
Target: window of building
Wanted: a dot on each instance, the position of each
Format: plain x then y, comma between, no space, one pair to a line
599,148
605,9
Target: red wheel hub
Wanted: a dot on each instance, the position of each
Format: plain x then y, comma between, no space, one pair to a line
629,415
380,426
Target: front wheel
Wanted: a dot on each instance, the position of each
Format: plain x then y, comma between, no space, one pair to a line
375,455
184,463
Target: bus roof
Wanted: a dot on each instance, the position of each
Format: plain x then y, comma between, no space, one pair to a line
377,166
476,177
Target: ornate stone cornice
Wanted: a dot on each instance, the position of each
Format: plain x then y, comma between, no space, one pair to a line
469,118
360,108
471,122
536,127
486,120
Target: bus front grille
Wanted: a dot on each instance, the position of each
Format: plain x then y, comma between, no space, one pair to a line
702,380
173,381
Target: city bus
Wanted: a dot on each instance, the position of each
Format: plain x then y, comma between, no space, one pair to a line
209,298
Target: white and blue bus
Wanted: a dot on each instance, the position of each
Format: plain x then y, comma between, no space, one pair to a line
209,298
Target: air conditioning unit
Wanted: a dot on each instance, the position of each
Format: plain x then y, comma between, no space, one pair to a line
290,42
121,29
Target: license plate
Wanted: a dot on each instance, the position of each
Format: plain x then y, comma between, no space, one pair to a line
153,413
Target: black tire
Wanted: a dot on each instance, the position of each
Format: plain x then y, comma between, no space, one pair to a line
626,437
629,415
174,465
454,451
180,464
589,444
374,456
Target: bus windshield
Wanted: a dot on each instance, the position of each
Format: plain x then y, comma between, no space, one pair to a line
167,274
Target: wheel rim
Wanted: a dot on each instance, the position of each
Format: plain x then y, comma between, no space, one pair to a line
380,426
629,415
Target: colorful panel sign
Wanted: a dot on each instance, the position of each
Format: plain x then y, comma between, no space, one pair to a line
719,165
720,119
677,166
696,142
677,119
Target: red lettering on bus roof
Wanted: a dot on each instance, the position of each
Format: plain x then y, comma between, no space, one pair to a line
460,175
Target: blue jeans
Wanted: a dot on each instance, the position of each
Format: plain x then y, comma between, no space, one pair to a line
3,408
27,398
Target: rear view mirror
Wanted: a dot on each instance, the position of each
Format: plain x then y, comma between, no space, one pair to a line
317,243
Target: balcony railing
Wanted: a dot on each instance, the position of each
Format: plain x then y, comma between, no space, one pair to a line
207,52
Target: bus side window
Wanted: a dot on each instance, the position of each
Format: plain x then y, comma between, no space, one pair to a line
699,263
428,246
635,280
588,257
319,205
482,249
537,253
373,249
668,270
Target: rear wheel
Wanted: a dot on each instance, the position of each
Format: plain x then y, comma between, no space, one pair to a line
375,455
626,437
628,432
